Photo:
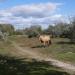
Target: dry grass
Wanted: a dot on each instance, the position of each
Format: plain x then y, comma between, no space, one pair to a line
60,49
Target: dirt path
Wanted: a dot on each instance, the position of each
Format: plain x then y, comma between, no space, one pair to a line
38,56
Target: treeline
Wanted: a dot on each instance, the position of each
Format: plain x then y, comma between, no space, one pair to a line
61,29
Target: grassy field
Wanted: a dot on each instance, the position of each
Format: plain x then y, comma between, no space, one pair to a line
23,66
61,48
14,66
5,47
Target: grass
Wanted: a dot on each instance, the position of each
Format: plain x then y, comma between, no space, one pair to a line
14,66
61,48
69,57
6,48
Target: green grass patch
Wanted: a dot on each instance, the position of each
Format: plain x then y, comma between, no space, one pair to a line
61,48
14,66
69,56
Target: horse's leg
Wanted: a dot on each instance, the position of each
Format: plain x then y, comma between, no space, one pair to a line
47,43
50,42
44,44
41,41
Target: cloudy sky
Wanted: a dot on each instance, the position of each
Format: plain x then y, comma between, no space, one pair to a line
24,13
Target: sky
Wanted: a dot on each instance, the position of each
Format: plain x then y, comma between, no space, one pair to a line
24,13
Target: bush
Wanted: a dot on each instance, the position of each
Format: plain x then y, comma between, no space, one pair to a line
7,28
33,31
72,31
32,34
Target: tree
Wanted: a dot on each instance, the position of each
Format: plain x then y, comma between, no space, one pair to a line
72,30
49,30
33,31
7,28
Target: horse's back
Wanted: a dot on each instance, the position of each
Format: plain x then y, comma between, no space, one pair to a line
44,37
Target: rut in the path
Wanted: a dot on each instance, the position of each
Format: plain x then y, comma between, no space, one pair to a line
38,56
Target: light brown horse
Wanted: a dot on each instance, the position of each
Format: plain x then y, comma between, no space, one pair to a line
45,39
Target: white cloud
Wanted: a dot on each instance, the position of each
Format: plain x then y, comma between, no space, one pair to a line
5,14
26,15
34,10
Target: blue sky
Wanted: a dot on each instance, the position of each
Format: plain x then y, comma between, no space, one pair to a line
24,13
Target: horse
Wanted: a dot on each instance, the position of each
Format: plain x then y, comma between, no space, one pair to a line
45,39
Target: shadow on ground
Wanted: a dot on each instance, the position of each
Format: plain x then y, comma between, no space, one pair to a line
13,66
38,46
63,42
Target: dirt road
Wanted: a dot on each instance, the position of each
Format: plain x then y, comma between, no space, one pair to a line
36,55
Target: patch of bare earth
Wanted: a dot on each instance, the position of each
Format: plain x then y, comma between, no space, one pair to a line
26,52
